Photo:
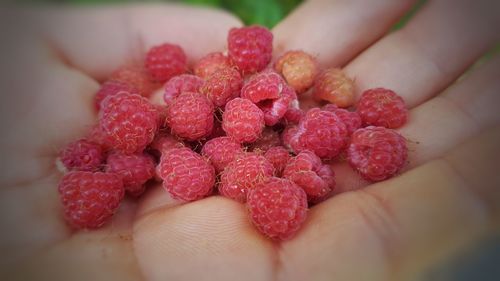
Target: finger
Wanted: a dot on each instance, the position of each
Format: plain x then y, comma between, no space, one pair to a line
98,40
213,234
440,124
399,227
431,51
335,31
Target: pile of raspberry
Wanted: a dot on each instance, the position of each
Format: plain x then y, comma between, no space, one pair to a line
230,125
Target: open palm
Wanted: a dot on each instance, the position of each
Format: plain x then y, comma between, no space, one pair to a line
390,230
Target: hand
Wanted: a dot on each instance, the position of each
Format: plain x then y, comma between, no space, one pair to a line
387,230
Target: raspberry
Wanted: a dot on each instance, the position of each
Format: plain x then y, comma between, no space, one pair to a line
279,157
293,114
90,199
165,61
242,120
222,86
110,88
211,63
243,174
135,77
268,139
221,151
82,155
278,208
250,48
352,120
320,131
164,142
162,115
382,107
377,153
271,94
288,137
180,84
334,86
307,171
299,69
186,175
135,170
191,116
128,122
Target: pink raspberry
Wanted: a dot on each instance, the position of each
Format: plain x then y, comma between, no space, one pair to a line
382,107
377,153
334,86
279,157
307,171
299,69
191,116
90,199
288,136
134,169
278,208
211,63
135,77
163,142
242,120
82,155
320,131
186,175
352,120
128,122
165,61
222,86
221,151
180,84
244,174
268,139
250,48
294,113
271,94
110,88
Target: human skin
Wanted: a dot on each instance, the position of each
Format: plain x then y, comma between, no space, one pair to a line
445,200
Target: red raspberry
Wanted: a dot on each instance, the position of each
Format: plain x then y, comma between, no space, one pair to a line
222,86
165,61
242,120
163,142
244,174
271,94
268,139
279,157
180,84
382,107
135,170
307,171
211,63
186,175
288,137
293,113
377,153
334,86
250,48
352,120
82,155
110,88
90,199
135,77
128,122
191,116
299,69
221,151
320,131
278,208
